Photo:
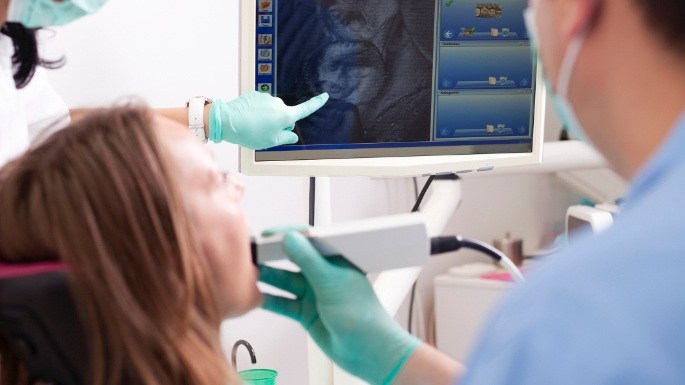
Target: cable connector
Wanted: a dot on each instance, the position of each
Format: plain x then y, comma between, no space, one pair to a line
446,244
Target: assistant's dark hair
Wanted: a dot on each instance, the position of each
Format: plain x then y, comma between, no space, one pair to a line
26,58
667,18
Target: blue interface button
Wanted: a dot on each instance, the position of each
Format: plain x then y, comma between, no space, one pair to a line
444,131
447,83
265,21
524,82
449,34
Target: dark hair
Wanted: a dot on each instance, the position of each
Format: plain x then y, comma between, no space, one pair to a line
25,58
668,22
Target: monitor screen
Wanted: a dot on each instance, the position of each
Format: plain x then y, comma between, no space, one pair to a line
440,84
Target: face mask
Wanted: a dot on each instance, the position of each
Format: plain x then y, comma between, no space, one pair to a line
47,13
559,96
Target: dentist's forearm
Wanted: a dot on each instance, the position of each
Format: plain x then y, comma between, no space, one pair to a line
179,114
429,366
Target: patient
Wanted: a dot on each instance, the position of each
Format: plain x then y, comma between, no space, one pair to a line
154,238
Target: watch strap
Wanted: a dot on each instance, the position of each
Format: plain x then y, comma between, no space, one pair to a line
196,116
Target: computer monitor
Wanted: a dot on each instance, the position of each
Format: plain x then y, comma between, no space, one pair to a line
416,87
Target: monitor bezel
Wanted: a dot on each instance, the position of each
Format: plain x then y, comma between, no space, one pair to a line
381,166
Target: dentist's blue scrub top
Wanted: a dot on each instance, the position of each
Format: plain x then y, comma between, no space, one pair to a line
610,309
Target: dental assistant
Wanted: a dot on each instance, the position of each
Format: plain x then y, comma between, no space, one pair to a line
30,108
608,310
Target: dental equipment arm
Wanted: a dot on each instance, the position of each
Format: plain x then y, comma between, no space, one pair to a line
377,244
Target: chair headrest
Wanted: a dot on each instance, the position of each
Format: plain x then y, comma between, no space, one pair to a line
39,321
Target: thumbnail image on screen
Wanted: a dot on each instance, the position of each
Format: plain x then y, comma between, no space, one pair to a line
402,75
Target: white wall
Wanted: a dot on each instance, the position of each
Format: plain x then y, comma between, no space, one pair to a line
167,51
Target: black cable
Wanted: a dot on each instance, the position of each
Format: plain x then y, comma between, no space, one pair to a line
312,199
446,244
413,286
483,247
419,199
411,306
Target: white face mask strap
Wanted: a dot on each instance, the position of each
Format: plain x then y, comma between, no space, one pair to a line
569,61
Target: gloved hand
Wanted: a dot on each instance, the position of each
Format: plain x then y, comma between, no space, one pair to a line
257,120
337,306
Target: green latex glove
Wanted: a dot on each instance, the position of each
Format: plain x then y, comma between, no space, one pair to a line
337,306
257,120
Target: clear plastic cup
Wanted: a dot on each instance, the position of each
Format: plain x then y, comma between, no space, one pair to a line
258,377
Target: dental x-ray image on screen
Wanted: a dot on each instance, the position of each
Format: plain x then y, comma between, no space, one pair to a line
368,57
406,78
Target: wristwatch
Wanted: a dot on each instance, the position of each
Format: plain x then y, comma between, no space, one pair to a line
196,116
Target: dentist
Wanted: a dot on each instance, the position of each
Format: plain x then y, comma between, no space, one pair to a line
608,310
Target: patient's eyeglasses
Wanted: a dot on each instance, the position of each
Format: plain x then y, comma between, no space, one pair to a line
234,186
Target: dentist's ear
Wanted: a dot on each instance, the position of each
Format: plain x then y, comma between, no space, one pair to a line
578,16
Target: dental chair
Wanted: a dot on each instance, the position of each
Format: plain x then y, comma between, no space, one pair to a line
40,323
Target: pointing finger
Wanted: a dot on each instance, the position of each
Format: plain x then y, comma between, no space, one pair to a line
307,108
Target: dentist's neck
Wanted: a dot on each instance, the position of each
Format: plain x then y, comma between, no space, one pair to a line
627,88
4,5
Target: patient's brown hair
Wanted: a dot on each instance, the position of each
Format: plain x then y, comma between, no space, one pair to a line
100,197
